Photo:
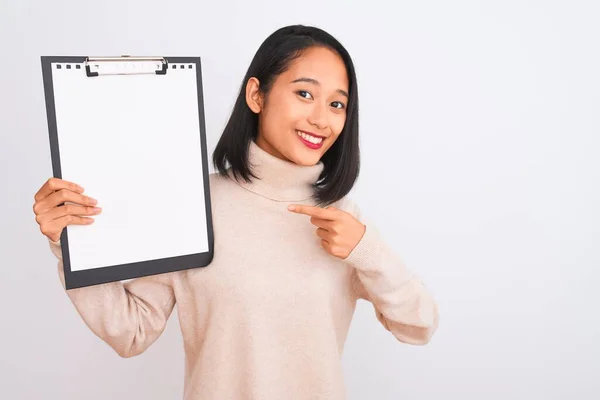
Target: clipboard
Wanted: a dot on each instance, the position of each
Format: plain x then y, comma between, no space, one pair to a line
131,131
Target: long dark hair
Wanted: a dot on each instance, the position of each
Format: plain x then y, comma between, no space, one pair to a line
341,162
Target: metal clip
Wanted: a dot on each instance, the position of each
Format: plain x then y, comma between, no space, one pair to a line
125,65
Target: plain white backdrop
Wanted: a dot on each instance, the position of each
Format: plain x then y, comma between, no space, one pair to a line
480,136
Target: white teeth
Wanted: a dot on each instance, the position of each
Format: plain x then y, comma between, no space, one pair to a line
309,138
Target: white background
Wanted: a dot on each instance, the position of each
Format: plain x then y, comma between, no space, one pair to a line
480,138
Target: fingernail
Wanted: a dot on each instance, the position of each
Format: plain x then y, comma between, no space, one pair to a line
94,201
291,208
97,209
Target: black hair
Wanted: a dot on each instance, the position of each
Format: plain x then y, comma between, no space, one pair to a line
341,161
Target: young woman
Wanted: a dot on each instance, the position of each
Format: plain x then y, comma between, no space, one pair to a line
268,318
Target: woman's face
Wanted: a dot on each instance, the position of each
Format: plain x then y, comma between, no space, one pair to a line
305,110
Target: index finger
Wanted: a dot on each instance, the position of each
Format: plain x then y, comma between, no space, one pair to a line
313,211
54,184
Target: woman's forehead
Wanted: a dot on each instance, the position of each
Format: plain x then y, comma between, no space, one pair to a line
322,65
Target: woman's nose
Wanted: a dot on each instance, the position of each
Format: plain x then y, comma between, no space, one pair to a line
318,117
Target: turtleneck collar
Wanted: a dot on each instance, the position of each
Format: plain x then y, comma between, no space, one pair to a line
279,179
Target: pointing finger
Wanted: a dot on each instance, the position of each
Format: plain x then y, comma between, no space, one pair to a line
312,211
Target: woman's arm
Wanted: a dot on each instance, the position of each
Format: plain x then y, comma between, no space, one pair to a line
402,303
129,316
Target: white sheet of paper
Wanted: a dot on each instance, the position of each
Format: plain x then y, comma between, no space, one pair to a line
133,143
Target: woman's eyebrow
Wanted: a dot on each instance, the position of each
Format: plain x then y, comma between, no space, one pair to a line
316,82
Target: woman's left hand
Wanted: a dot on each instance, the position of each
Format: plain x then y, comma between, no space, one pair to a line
339,231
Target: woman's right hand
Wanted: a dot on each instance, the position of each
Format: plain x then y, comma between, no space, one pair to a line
50,213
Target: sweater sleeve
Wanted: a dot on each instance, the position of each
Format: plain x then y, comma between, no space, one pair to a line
128,316
401,301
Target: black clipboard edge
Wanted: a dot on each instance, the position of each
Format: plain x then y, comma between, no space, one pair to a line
96,276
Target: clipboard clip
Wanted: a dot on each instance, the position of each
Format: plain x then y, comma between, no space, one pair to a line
125,65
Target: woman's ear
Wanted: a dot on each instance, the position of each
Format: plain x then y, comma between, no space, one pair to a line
253,95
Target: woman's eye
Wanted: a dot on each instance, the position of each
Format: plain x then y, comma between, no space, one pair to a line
304,94
338,105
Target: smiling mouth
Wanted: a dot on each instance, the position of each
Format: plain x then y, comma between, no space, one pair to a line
310,138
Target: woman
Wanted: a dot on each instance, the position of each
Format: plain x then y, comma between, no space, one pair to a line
268,318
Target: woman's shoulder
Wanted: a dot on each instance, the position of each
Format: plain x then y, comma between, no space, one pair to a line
218,181
215,178
223,187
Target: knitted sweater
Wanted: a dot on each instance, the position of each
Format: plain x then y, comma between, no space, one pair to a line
268,318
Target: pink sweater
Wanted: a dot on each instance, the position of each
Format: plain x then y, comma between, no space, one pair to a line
268,318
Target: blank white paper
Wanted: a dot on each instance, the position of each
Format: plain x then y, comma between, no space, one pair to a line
133,143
